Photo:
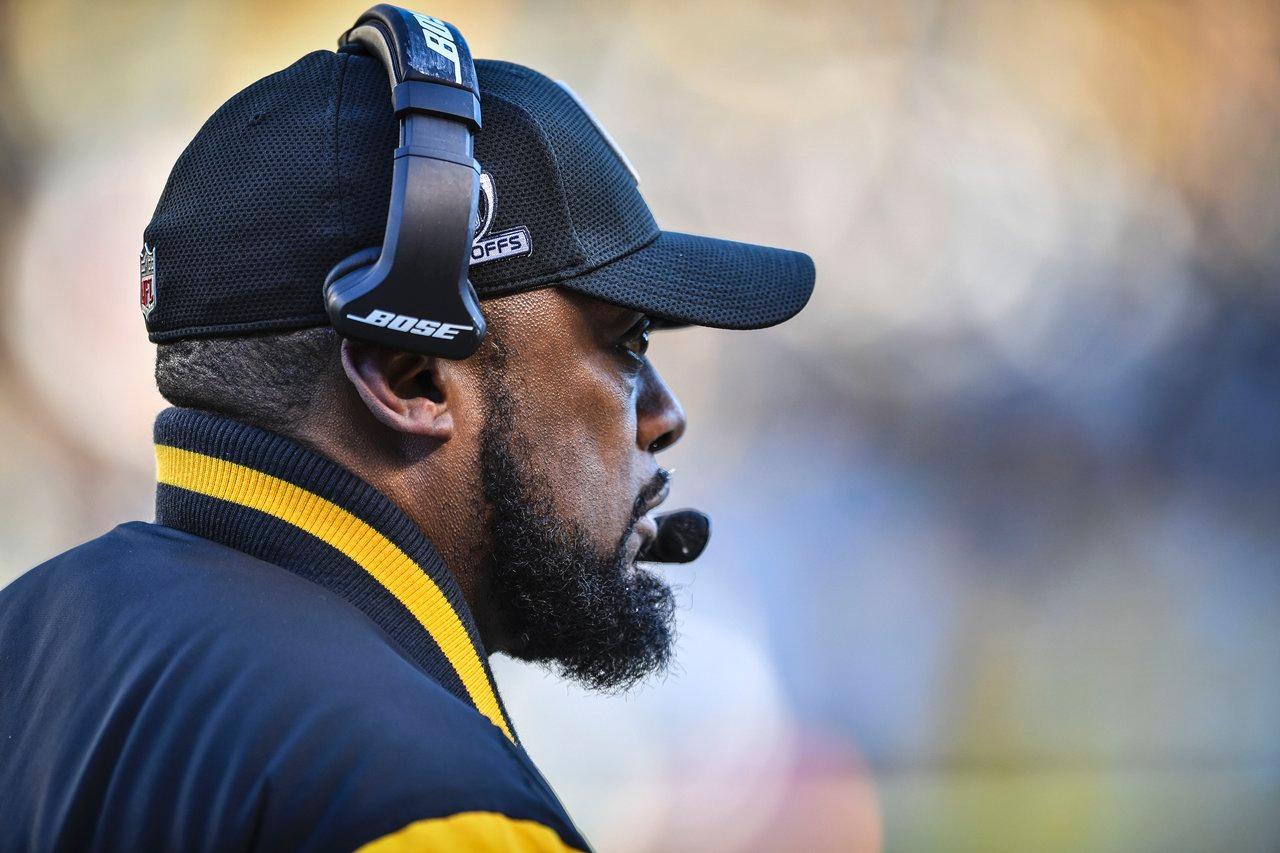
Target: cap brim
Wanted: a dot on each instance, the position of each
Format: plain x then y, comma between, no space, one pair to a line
684,279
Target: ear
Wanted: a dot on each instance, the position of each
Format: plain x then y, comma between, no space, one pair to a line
404,391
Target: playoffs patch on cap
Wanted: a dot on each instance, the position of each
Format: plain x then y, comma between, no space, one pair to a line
489,247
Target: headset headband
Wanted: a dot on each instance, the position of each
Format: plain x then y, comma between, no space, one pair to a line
413,293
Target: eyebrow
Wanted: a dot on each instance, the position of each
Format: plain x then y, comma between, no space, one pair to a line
622,319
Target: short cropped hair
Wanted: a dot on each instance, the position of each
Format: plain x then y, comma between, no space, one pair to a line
269,380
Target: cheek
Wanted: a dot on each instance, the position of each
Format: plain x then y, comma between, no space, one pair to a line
582,442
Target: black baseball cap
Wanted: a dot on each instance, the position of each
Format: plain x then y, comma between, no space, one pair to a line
293,174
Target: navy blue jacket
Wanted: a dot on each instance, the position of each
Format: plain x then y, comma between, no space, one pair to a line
281,662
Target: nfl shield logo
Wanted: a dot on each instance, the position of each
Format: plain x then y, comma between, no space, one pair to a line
147,287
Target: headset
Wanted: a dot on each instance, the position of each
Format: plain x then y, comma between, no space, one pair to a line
414,293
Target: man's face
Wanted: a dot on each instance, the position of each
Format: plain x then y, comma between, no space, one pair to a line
574,417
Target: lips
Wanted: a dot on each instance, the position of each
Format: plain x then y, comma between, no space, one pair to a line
645,527
656,500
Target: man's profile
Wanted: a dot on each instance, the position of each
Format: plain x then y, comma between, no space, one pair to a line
294,655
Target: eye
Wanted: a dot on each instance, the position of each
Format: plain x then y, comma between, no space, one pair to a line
635,342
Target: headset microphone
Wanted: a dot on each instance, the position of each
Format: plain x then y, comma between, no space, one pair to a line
681,537
413,293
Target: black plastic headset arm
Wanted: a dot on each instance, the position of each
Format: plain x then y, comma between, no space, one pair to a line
414,294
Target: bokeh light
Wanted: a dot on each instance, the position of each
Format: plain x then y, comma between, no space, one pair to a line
997,547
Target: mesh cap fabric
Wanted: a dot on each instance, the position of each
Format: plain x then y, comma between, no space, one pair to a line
293,174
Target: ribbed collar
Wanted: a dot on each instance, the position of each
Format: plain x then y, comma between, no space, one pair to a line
268,496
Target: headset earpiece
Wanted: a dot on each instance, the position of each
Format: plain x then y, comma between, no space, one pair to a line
413,293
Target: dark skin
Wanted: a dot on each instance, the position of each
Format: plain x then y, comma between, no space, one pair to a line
592,412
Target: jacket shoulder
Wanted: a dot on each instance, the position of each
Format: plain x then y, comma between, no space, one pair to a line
262,683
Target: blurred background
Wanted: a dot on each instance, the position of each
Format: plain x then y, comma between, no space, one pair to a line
996,561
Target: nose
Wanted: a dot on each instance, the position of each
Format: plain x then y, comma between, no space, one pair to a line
659,416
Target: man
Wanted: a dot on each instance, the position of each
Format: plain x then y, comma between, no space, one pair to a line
295,654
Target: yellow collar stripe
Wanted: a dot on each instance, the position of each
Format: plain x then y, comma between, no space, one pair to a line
361,543
471,831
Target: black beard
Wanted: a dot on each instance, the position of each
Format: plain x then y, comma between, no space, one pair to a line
590,618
